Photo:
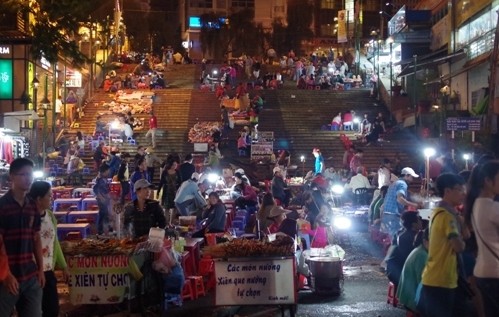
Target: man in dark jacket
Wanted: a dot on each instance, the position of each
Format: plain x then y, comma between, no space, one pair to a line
279,187
187,168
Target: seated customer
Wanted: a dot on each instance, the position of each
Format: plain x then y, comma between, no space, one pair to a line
281,223
248,198
402,245
214,215
358,181
412,271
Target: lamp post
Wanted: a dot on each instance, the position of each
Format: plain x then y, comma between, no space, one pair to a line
35,83
302,159
428,152
390,42
466,158
45,106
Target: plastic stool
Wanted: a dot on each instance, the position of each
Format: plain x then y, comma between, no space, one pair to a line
238,224
412,314
392,295
188,292
197,285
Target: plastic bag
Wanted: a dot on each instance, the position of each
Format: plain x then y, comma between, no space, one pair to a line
165,260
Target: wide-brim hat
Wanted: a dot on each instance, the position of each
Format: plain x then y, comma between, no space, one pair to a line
276,211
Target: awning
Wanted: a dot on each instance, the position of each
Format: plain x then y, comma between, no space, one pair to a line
422,58
469,65
409,69
22,115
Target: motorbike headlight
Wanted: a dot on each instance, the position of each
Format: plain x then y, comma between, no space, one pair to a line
342,223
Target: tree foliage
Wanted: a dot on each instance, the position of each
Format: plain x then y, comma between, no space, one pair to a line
300,17
237,33
54,25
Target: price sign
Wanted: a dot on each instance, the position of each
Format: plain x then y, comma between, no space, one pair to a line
464,124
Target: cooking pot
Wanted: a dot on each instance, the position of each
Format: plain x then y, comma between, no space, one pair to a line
325,267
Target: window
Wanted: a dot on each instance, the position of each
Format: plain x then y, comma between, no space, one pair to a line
279,9
327,4
243,3
201,4
221,4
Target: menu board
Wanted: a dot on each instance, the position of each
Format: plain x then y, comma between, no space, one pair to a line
263,147
255,282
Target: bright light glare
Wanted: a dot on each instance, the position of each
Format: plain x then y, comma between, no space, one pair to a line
342,223
429,152
356,120
38,174
212,178
302,158
337,189
215,72
330,69
115,124
466,156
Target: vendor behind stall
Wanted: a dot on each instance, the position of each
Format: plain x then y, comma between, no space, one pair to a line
143,213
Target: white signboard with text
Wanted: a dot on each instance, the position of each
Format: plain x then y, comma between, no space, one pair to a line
98,279
255,282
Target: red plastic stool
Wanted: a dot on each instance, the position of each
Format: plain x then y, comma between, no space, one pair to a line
197,284
207,269
187,291
392,295
412,314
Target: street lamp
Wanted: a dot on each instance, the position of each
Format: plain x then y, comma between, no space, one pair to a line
466,158
302,160
428,152
390,42
45,103
35,83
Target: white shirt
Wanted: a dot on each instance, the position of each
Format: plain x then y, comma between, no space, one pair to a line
358,181
485,222
385,177
47,235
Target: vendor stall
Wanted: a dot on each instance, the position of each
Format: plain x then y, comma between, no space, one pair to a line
109,271
202,132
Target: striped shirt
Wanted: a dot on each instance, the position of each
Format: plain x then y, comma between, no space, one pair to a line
18,225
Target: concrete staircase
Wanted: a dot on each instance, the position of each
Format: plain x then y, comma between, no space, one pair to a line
295,116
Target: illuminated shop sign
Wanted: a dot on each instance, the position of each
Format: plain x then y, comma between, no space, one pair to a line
4,50
6,80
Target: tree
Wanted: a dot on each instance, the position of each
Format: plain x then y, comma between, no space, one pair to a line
236,34
300,17
278,37
54,26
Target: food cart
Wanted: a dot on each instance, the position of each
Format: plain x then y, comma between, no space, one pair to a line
254,272
104,272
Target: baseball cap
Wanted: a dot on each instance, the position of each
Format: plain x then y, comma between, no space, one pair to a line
240,171
195,176
409,171
142,183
